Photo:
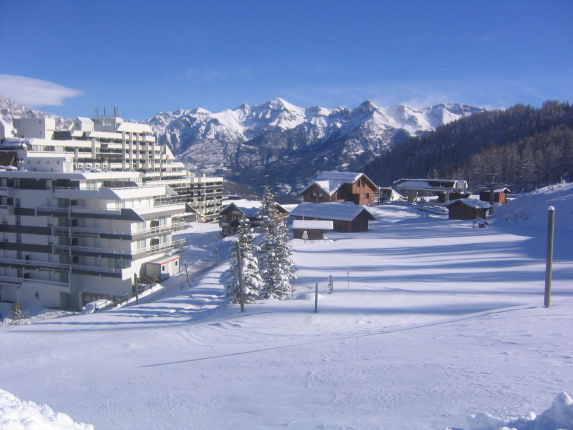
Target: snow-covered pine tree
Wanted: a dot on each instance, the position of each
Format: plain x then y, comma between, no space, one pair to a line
277,267
252,282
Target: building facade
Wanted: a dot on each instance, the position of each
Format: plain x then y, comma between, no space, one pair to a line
69,237
110,144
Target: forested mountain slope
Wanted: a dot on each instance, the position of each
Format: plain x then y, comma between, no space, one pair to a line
526,146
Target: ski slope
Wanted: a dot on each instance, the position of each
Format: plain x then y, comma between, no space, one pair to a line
431,321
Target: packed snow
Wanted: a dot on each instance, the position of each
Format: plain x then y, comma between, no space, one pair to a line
432,324
16,414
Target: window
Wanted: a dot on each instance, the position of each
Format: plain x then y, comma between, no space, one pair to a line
367,195
176,263
163,268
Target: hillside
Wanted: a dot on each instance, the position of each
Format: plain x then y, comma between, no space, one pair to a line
432,322
528,147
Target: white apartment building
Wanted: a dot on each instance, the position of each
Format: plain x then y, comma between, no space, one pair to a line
69,237
110,144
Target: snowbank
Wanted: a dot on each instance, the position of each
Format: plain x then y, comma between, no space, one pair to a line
558,416
16,414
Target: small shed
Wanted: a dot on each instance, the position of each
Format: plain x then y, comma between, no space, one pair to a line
499,195
163,268
467,209
345,216
314,229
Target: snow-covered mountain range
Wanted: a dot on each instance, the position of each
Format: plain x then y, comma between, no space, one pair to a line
280,144
10,110
277,143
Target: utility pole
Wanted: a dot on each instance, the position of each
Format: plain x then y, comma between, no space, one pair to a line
316,299
549,263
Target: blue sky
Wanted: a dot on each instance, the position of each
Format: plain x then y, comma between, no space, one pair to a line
68,57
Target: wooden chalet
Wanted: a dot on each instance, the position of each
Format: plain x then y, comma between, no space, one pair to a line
467,209
499,195
232,213
346,217
341,187
314,229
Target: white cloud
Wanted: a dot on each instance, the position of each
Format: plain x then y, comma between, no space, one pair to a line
35,92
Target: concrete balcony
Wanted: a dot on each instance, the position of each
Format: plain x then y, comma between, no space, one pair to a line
119,234
33,265
6,210
63,287
113,253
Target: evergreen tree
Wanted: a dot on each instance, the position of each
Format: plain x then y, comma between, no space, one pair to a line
252,282
17,314
277,267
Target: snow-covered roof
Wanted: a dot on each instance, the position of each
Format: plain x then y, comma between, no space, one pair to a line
343,211
330,182
312,225
431,184
134,128
246,207
86,120
472,203
345,177
249,207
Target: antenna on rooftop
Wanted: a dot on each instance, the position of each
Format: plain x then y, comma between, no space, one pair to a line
104,112
115,111
96,113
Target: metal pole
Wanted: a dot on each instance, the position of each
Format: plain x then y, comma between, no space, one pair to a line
217,253
316,299
240,269
136,290
549,264
188,280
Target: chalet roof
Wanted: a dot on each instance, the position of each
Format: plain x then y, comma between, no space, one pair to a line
343,211
330,182
472,203
249,208
312,225
431,184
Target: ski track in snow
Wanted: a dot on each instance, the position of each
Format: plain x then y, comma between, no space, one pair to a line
437,320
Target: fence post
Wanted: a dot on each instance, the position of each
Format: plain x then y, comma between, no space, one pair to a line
316,299
217,253
188,280
136,289
549,263
240,269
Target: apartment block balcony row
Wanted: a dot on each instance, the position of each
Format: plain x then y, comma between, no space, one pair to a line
113,253
114,234
58,267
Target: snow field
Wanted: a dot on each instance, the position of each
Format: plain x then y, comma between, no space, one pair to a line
438,321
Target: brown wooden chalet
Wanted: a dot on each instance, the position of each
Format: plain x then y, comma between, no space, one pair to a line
346,217
467,209
499,195
341,187
232,213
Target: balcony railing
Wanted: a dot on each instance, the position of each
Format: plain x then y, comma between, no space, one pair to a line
150,249
94,232
21,281
162,246
42,265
